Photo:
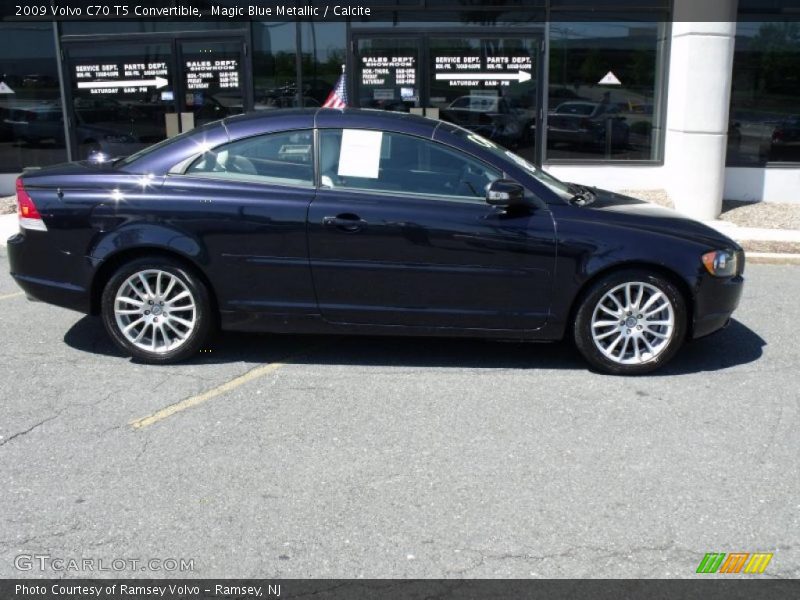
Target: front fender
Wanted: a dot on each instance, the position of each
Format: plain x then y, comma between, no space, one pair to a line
587,249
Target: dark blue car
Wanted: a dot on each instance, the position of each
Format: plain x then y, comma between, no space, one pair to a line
368,222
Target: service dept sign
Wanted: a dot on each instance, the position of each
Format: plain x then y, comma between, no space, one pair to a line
489,71
121,78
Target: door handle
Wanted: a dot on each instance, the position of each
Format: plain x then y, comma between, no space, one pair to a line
347,222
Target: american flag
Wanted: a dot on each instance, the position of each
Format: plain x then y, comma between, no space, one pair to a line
338,96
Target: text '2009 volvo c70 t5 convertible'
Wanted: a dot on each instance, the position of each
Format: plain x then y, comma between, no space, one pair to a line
355,221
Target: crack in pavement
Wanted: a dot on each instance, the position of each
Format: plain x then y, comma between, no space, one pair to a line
41,536
38,424
143,450
575,552
31,428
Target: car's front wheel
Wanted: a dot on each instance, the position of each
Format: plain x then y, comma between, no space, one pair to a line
156,310
630,322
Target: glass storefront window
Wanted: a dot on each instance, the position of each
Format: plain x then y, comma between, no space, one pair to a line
112,119
485,83
274,65
213,79
764,122
603,93
497,94
387,73
31,119
323,55
125,95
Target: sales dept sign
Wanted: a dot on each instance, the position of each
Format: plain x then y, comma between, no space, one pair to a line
205,74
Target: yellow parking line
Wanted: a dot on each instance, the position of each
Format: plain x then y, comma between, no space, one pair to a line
172,409
14,295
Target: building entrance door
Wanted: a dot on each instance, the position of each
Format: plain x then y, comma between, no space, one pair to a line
490,84
124,95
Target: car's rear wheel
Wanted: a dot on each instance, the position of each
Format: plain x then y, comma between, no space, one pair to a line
156,310
630,322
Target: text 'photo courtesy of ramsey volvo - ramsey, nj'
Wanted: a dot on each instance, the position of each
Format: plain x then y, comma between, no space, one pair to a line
364,222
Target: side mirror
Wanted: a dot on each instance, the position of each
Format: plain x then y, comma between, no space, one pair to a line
504,192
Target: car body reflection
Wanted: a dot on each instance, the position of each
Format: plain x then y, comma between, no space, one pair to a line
785,141
496,118
103,125
587,124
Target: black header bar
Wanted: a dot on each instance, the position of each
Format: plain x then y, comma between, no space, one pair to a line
468,12
738,588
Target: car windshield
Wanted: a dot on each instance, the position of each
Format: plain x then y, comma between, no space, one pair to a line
563,190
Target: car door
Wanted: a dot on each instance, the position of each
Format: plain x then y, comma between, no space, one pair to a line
407,239
246,202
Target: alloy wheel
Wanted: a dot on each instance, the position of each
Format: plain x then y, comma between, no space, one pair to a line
633,323
155,311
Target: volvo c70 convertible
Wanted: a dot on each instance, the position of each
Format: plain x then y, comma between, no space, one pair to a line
368,222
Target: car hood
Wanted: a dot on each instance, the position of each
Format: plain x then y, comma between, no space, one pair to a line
632,212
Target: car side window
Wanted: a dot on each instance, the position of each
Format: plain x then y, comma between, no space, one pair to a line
284,158
400,164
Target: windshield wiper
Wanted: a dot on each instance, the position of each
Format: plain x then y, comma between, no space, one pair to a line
581,195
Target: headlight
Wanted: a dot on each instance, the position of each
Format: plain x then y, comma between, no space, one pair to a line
721,263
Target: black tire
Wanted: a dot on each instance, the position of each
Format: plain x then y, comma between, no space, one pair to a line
583,322
204,320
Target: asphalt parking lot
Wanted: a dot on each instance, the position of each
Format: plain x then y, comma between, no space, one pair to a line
379,457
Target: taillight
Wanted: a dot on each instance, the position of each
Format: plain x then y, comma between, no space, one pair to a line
29,217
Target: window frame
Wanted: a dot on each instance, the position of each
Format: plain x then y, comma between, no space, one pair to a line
408,195
661,97
736,162
182,168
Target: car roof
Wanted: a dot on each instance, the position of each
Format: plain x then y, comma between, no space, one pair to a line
292,118
161,159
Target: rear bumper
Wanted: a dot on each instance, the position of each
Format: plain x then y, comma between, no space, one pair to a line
40,269
715,301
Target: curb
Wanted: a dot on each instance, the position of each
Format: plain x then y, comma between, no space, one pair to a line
755,234
9,225
771,258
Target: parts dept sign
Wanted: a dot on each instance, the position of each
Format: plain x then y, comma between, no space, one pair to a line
109,78
477,70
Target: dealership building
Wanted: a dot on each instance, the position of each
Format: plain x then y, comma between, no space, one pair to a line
698,98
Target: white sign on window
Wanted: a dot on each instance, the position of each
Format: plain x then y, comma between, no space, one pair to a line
610,79
360,154
383,94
